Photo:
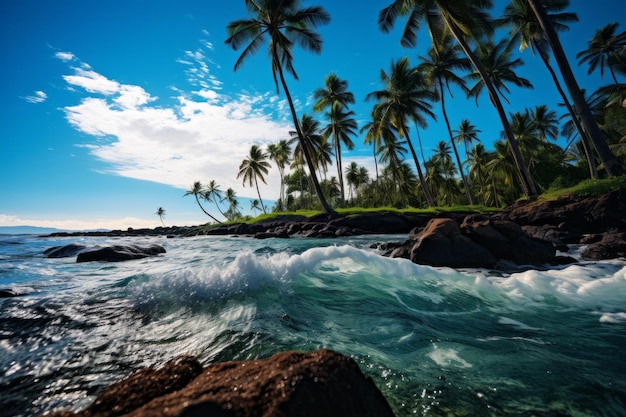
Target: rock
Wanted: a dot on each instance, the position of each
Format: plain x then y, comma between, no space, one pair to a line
289,384
442,244
66,251
8,293
118,253
612,245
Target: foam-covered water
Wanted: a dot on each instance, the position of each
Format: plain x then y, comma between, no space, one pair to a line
436,341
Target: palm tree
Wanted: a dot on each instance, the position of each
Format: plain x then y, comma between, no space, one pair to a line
377,131
439,68
525,28
335,89
161,213
233,212
464,19
405,98
254,167
280,153
198,191
335,97
477,161
212,193
286,25
254,205
466,134
545,123
352,172
611,164
601,49
341,126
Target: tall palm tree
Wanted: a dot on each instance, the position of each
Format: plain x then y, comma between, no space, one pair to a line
525,29
253,168
477,161
439,68
405,97
286,25
376,132
465,19
341,126
280,153
198,191
161,213
335,97
601,49
611,163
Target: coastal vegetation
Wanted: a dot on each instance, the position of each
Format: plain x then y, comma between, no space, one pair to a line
465,55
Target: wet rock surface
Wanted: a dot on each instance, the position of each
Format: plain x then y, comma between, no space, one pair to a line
288,384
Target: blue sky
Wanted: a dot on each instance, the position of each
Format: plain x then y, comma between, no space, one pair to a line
113,109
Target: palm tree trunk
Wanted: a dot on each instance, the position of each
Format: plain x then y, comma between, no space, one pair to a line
456,153
318,189
611,164
339,169
425,190
528,185
205,212
583,136
256,182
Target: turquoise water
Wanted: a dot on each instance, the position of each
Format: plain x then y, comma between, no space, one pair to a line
436,341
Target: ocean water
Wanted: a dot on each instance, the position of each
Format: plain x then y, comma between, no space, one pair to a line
436,341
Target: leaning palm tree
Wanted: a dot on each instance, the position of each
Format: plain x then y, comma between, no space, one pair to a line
286,25
253,168
611,163
601,49
440,68
280,153
197,190
466,20
525,29
212,193
405,97
161,213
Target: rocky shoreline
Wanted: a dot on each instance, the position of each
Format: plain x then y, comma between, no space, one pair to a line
526,233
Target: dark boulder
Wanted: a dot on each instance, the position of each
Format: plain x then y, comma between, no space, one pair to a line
612,245
66,251
289,384
442,244
118,253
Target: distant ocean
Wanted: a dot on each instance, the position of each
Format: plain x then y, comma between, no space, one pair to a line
436,341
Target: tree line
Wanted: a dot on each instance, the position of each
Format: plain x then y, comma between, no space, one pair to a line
464,54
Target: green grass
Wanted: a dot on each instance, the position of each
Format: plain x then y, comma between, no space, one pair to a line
587,188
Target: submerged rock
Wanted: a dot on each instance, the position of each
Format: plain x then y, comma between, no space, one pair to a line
118,253
611,246
289,384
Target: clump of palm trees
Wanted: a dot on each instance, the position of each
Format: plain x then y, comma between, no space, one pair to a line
465,57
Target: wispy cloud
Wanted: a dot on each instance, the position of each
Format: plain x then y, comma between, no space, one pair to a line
77,224
37,97
203,136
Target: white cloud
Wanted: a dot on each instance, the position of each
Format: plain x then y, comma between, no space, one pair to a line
37,97
65,56
203,136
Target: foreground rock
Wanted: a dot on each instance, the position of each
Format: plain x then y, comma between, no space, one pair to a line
289,384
